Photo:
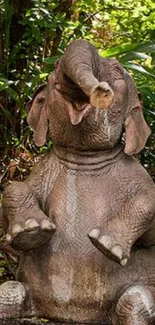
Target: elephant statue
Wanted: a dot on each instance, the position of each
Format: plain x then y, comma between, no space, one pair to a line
84,220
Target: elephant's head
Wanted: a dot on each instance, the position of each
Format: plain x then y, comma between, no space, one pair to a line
88,103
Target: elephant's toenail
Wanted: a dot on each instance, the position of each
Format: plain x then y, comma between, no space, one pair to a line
105,241
16,229
117,251
124,261
47,225
31,223
8,238
94,233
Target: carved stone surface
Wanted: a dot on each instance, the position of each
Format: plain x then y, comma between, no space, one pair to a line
84,220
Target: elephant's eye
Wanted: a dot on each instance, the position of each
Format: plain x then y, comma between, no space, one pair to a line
41,100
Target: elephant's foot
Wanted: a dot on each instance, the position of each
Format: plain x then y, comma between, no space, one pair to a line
102,96
13,300
135,307
30,234
110,246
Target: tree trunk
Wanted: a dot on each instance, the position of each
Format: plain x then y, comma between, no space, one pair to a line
19,8
1,42
63,7
16,30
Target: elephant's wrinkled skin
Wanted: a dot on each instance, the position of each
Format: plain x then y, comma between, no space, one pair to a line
87,190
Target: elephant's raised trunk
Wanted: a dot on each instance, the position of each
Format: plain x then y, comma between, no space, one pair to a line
81,65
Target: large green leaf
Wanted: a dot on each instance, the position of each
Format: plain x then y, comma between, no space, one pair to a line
146,47
138,68
119,49
4,85
133,56
147,92
52,59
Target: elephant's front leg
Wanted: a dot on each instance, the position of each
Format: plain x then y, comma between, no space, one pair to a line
116,237
135,307
25,224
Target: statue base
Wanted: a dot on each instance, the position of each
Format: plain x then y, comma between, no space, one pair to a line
43,322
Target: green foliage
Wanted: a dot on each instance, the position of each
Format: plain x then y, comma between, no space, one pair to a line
44,28
33,35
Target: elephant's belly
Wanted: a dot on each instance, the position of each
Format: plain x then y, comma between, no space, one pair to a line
77,271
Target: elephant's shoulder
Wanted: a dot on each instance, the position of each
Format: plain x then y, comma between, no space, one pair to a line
130,168
45,166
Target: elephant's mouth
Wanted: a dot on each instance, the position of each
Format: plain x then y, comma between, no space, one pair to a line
77,111
81,106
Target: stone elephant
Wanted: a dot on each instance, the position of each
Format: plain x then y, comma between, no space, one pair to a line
84,219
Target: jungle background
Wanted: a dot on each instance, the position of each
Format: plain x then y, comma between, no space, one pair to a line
33,35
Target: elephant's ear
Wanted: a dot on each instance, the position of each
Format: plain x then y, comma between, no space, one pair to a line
136,129
37,117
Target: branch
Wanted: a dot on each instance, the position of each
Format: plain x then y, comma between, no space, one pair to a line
106,7
6,249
